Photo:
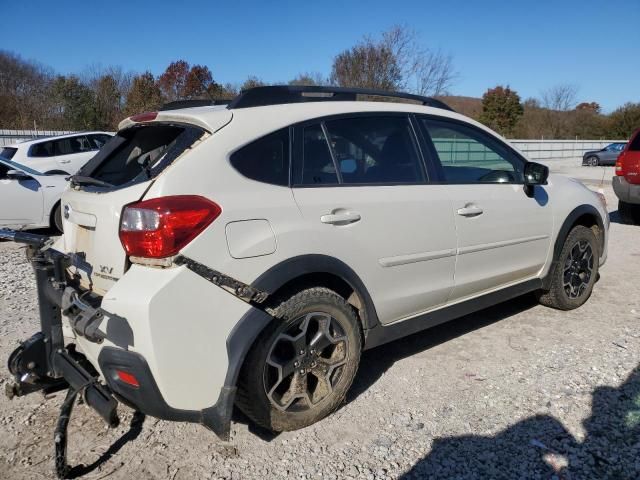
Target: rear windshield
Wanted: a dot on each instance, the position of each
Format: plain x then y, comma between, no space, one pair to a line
8,152
140,153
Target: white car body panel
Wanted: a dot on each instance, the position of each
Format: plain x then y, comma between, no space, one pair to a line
29,203
411,249
69,163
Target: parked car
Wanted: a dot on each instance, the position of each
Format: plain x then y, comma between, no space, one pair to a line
626,183
62,155
28,198
606,156
247,254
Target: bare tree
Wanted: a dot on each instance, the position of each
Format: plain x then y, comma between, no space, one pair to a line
396,61
561,97
309,78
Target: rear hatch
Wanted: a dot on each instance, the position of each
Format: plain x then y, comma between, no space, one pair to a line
120,174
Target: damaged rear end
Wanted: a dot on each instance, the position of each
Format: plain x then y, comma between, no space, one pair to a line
104,284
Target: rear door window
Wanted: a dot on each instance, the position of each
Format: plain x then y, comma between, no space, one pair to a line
375,150
265,160
140,153
315,165
69,145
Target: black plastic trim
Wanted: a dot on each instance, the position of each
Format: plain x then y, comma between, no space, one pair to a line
278,275
147,397
382,334
286,94
566,227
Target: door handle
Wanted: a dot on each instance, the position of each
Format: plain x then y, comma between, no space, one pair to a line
470,210
340,218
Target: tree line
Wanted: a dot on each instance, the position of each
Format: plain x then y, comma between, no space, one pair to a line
32,95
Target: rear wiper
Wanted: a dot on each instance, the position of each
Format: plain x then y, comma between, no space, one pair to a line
82,180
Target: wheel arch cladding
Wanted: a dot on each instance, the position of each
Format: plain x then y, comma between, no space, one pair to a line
585,215
304,271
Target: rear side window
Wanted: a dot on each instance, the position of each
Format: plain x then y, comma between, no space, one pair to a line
44,149
375,150
8,152
265,160
634,146
67,146
140,153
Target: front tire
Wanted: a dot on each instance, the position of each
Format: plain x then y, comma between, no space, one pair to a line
57,217
593,161
629,213
575,272
303,364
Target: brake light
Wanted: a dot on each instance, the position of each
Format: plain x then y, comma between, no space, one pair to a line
144,117
161,227
619,168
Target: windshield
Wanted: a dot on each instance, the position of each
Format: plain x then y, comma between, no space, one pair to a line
19,166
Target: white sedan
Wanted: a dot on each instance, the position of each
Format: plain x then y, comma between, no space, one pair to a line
28,198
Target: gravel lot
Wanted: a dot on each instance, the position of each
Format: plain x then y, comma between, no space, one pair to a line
514,391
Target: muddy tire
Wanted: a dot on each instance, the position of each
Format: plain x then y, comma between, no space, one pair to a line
301,367
575,273
629,213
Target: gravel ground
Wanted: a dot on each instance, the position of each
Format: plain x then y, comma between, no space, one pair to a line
514,391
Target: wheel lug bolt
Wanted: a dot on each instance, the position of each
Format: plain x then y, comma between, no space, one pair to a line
312,351
301,352
302,372
313,364
296,364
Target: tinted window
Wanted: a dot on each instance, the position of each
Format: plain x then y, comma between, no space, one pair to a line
468,155
8,152
44,149
635,143
66,146
97,141
375,150
3,171
265,160
315,166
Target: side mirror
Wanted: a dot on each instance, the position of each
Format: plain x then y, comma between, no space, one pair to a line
17,175
535,174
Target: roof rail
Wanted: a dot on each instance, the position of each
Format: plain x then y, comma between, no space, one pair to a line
283,94
178,104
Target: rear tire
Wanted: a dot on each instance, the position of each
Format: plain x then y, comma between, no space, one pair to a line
302,365
575,272
629,213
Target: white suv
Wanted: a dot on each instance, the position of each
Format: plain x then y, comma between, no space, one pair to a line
62,155
246,254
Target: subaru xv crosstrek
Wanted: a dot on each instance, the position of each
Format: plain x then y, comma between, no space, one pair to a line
246,254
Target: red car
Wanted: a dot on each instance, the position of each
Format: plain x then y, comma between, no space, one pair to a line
626,183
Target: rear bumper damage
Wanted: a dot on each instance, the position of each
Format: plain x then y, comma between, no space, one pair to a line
44,363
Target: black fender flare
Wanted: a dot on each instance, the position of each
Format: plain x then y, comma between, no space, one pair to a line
566,227
278,275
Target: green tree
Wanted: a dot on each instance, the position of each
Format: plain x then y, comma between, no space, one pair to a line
75,103
107,103
624,120
144,95
501,109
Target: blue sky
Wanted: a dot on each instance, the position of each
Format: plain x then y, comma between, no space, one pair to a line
530,45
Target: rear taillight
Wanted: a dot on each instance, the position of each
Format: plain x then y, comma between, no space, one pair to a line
161,227
619,163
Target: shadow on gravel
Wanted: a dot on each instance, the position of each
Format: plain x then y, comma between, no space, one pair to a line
375,362
135,428
540,446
